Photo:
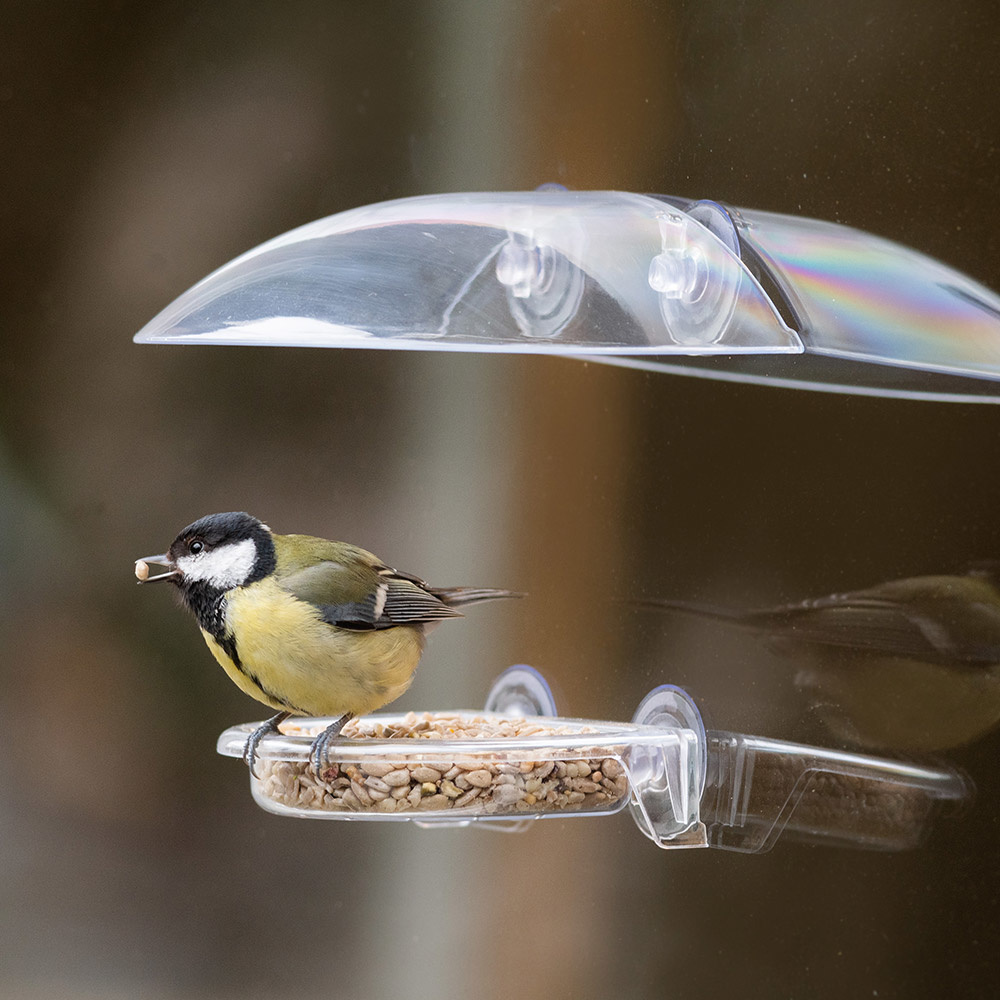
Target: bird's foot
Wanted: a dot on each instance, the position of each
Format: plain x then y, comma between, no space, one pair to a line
253,740
320,745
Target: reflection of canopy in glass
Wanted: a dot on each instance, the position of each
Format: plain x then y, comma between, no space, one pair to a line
660,282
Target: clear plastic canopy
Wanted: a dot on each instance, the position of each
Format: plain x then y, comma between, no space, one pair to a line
659,282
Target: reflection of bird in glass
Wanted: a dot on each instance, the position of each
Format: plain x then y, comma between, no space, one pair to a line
911,664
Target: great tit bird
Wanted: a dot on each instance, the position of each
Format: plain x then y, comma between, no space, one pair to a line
911,664
305,625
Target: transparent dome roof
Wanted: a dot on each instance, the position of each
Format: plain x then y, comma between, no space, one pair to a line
658,282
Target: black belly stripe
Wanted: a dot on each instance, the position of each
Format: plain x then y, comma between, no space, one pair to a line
228,644
274,697
209,606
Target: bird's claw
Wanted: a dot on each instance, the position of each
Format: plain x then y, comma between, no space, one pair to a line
320,746
253,740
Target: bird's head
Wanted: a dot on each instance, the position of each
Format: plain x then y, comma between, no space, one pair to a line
217,553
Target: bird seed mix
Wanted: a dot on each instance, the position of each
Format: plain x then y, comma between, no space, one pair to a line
474,784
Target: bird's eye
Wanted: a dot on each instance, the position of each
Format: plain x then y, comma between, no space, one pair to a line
196,547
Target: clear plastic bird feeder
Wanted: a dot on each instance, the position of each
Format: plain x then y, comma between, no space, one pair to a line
685,787
671,284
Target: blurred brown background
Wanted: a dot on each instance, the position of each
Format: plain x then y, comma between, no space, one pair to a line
146,144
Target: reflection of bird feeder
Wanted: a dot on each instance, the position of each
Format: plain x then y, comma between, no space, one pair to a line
685,787
664,283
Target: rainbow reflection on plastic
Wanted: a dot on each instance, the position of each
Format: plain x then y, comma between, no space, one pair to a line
867,298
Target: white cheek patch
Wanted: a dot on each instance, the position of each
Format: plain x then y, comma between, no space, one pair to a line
224,567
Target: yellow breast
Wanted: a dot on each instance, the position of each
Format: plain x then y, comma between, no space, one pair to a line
293,661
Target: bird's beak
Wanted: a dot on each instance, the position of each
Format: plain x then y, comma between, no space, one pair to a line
142,569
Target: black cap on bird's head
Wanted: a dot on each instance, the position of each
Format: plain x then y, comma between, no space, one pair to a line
216,552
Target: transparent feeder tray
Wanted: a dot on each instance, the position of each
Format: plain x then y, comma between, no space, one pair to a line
685,787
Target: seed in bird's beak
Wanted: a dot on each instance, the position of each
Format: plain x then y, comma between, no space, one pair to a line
142,569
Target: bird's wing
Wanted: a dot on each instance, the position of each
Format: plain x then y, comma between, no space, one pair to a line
853,621
356,591
926,624
945,619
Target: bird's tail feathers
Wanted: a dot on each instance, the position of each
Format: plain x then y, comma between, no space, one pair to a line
696,609
456,597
